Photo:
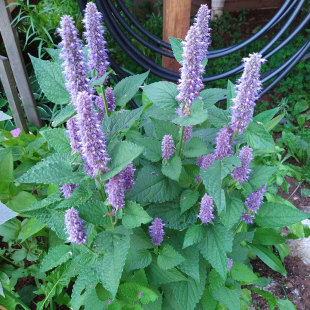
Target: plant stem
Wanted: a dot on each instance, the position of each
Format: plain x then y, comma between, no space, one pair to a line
9,261
181,140
104,101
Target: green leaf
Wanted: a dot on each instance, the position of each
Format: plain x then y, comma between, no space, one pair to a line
260,175
152,148
160,276
267,236
233,212
268,296
127,88
110,267
229,298
92,211
215,280
207,301
162,128
6,213
274,122
31,228
177,48
193,235
188,174
21,201
162,94
213,176
55,257
122,154
138,259
134,215
57,139
243,274
55,169
211,96
197,115
63,115
268,258
231,94
215,245
173,168
285,304
195,147
190,266
6,167
218,117
266,116
152,186
257,137
168,257
51,80
117,122
188,199
279,215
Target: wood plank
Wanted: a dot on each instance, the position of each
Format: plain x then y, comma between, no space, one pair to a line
7,79
10,39
176,21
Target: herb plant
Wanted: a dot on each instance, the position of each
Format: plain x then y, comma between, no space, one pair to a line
160,207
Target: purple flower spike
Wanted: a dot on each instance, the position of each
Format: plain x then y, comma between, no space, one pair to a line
128,175
223,143
206,209
115,192
92,138
167,146
74,64
241,174
110,98
247,217
97,54
230,263
156,231
256,199
205,162
195,48
75,227
248,88
73,130
140,294
187,133
67,190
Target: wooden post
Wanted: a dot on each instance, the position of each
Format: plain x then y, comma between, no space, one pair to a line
176,20
7,79
10,39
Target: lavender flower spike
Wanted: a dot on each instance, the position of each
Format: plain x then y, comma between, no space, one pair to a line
74,64
223,143
115,192
92,138
128,175
241,174
206,209
187,133
195,48
256,199
247,217
67,190
110,98
204,162
230,263
156,231
248,88
167,146
75,227
97,55
74,137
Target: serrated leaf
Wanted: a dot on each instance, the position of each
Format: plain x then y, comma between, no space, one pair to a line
278,215
215,245
57,139
195,147
51,80
266,116
160,276
162,94
6,213
122,154
188,174
197,115
127,88
218,117
229,298
260,175
173,168
55,169
243,274
55,257
152,148
110,267
162,128
92,211
168,257
257,137
177,48
138,259
274,122
119,121
193,235
188,199
211,96
152,186
233,212
32,227
134,215
63,115
190,266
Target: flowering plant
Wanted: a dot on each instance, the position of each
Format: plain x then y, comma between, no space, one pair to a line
158,207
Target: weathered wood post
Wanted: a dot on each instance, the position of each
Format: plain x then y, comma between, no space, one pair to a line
176,20
10,39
